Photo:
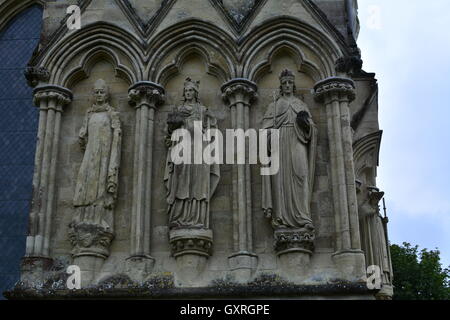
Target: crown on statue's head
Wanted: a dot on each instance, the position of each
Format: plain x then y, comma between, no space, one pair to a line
189,83
286,73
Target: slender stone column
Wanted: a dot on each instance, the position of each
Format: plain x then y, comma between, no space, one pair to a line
337,94
145,97
239,95
50,100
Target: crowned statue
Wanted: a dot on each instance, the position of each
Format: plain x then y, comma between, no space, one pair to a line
190,186
287,194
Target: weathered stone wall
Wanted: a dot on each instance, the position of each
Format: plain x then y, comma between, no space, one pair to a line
237,55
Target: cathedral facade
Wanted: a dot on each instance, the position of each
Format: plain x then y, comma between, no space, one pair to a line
112,211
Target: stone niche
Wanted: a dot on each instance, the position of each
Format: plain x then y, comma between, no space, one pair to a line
111,204
71,157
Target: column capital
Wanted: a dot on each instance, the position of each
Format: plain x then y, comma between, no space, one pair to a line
34,75
146,93
239,90
341,87
61,95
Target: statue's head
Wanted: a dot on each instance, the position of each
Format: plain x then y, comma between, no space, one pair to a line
191,89
101,92
287,82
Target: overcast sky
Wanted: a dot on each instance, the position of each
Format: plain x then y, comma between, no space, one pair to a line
407,44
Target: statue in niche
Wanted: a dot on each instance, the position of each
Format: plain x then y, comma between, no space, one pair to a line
373,231
96,186
287,194
189,186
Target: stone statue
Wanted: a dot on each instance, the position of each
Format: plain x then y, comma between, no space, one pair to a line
190,186
96,186
287,194
374,236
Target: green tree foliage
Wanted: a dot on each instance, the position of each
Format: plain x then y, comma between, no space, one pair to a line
418,275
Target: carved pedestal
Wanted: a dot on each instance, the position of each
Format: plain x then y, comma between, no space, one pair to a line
294,248
191,248
90,248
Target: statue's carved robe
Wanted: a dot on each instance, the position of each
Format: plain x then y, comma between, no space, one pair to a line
191,186
96,186
287,194
374,242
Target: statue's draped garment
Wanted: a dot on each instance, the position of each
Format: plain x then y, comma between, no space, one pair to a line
287,194
374,242
96,186
191,186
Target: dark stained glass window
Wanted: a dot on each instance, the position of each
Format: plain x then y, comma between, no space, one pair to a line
18,128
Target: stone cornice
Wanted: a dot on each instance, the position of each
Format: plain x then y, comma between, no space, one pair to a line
163,288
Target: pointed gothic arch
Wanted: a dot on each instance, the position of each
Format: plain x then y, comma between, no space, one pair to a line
295,34
108,38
